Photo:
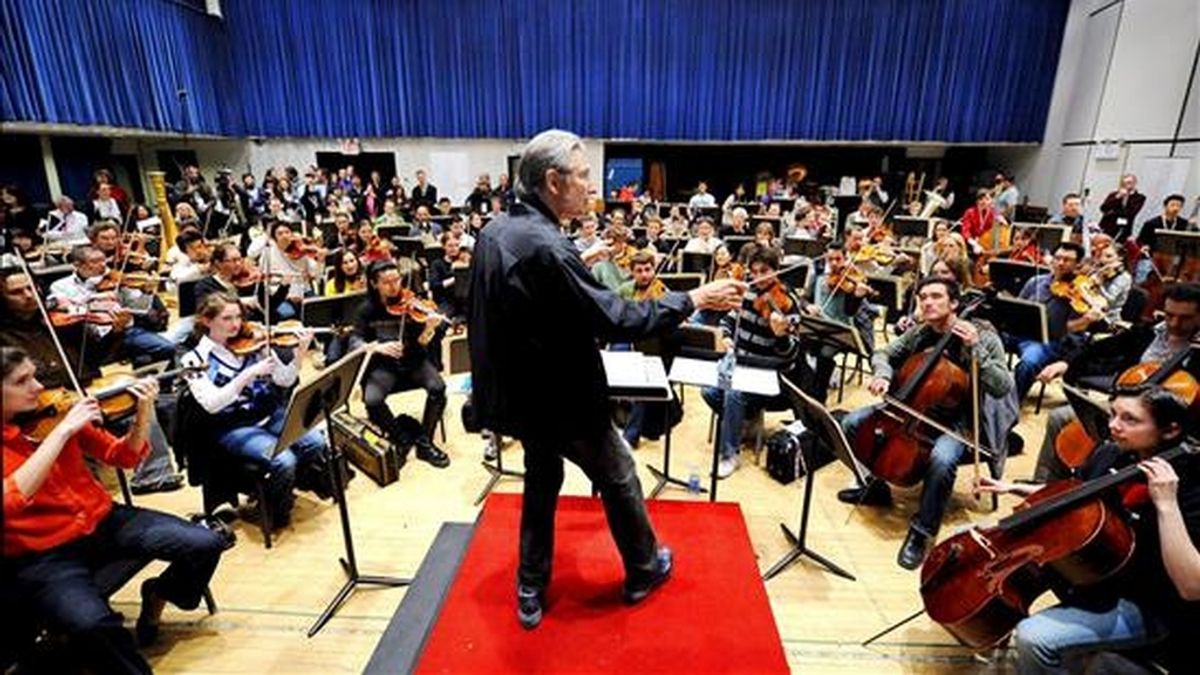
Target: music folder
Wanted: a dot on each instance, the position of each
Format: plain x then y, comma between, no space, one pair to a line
635,376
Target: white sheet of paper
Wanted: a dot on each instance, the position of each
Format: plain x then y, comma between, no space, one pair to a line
696,372
755,381
634,369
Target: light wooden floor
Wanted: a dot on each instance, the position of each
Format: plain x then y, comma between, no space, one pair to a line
269,598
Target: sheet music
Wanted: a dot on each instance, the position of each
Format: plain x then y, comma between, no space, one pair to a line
635,375
702,373
755,381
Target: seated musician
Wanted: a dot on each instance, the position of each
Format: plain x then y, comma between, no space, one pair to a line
764,237
1067,325
643,285
839,293
391,215
370,246
106,236
289,262
1025,247
653,241
441,280
424,223
244,393
739,224
195,265
978,219
403,359
79,288
930,250
342,235
756,331
1112,281
612,270
705,240
60,526
65,223
1098,365
459,229
349,275
1155,597
940,270
938,300
676,225
22,326
229,274
1071,214
104,206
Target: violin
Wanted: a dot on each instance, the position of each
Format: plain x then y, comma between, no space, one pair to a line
848,281
894,445
980,583
302,247
285,335
1081,292
733,270
774,299
409,305
115,399
1074,446
880,254
377,249
141,281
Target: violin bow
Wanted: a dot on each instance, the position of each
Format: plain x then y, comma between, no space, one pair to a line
62,353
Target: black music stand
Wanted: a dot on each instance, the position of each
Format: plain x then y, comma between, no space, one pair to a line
696,262
808,248
736,242
391,232
1010,276
332,311
819,421
682,282
1092,414
911,226
796,276
1185,245
310,404
1048,237
408,247
1020,318
838,336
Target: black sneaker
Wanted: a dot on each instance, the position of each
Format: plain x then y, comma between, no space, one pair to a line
529,607
168,484
428,452
874,493
912,553
664,564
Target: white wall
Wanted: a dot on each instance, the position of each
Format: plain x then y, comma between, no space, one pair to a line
1122,76
437,155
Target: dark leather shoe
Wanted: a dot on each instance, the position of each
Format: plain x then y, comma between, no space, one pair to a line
663,565
529,607
147,630
428,452
912,553
874,493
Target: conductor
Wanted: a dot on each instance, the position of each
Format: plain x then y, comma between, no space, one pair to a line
536,315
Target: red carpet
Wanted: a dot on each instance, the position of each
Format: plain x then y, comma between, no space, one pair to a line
712,616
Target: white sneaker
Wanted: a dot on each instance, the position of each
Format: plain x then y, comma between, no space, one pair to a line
727,466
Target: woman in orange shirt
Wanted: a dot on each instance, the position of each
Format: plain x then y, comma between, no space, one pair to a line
61,525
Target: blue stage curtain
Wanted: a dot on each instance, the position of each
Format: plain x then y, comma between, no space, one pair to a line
910,70
117,63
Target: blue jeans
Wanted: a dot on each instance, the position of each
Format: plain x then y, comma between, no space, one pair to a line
733,407
1052,640
147,346
253,443
57,585
939,480
1034,356
633,426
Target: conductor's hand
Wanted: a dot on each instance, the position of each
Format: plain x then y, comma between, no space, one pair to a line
392,349
721,295
878,386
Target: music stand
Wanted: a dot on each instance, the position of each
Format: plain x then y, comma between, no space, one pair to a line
331,311
736,242
797,276
1019,318
391,232
808,248
713,212
462,284
407,247
696,262
1185,245
911,226
1048,237
310,404
1010,276
838,336
819,421
682,282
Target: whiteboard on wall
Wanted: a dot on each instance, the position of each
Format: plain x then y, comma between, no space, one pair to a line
1159,177
451,173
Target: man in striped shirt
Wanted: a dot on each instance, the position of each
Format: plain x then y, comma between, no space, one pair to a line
748,332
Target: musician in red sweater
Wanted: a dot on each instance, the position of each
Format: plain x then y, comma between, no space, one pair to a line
60,526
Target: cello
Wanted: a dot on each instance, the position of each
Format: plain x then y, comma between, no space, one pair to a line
892,442
978,584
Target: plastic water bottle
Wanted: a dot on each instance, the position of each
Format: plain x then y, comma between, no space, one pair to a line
693,479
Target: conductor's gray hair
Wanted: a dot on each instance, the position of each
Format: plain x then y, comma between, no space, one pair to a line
550,149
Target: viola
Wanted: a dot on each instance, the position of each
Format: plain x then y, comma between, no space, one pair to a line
896,446
774,299
980,583
1081,292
